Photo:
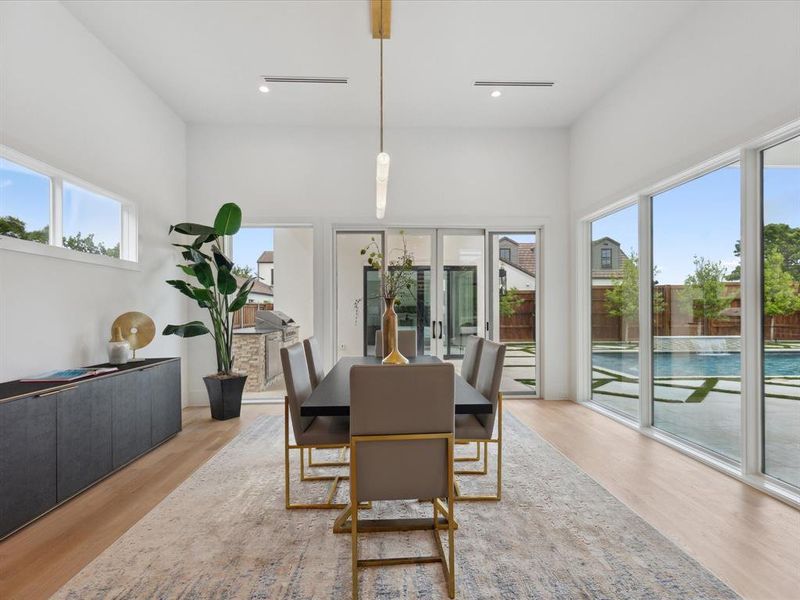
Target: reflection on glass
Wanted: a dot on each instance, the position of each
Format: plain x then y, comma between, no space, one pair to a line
696,311
92,223
513,322
358,309
462,291
781,307
615,311
24,203
413,307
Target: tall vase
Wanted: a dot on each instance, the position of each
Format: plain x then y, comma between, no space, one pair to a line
389,327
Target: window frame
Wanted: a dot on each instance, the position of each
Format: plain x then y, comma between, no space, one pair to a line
605,253
128,241
748,154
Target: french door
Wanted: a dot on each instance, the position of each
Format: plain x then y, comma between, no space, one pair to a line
465,282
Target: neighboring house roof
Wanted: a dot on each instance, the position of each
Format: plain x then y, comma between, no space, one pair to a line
526,256
611,241
259,287
266,257
607,274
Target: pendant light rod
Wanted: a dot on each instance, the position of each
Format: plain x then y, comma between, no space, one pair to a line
381,75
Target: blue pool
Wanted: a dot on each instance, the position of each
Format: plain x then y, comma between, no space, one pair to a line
687,364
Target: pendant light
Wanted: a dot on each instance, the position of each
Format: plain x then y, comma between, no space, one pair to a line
382,166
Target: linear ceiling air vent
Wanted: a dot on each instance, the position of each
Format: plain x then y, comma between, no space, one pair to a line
288,79
487,83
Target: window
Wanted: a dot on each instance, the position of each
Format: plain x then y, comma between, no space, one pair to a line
505,254
615,315
781,310
696,327
24,203
605,258
91,223
41,204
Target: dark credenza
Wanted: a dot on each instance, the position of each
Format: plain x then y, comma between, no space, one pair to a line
57,440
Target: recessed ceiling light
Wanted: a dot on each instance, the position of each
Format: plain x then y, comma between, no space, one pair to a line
263,88
496,94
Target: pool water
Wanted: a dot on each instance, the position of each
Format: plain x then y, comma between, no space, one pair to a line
688,364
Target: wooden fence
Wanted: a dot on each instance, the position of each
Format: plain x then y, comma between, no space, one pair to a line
246,316
676,319
519,327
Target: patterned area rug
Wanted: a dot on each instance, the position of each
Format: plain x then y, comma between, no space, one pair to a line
224,533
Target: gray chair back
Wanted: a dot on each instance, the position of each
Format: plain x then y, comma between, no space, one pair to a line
472,358
406,340
298,385
490,374
389,400
314,359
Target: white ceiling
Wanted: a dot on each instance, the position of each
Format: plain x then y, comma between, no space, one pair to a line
205,58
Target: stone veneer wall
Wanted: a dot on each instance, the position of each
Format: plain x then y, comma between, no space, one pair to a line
252,350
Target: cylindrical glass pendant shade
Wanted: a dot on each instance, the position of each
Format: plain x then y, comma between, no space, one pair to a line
381,184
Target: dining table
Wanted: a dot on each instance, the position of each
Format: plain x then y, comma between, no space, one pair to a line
332,396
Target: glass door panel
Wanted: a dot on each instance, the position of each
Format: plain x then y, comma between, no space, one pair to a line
413,306
462,296
512,306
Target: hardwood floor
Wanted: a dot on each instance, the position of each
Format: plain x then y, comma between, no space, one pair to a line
745,537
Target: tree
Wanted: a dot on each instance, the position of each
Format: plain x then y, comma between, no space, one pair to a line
242,271
15,227
780,237
781,295
510,302
87,244
704,291
622,300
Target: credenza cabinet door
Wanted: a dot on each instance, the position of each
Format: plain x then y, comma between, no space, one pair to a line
131,415
84,435
162,383
27,460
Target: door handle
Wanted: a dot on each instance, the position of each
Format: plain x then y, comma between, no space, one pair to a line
440,330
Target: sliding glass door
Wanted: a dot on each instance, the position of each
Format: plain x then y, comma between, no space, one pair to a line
466,282
781,311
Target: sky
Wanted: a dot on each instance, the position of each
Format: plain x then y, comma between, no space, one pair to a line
25,194
701,217
249,243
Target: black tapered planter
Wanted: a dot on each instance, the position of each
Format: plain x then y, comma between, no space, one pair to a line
225,395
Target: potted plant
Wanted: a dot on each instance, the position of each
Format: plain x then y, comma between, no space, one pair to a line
217,291
396,276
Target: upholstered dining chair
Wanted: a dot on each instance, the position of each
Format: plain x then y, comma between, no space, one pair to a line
314,359
316,374
401,448
472,359
309,432
480,428
406,340
469,371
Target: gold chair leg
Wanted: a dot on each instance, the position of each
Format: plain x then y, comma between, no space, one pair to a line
475,458
499,441
342,462
354,523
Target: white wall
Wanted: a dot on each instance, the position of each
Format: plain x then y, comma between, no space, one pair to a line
440,177
67,101
294,275
729,73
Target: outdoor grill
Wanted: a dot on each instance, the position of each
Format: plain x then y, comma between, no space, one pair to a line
274,320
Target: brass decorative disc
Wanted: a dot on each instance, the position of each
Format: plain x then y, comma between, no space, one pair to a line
136,327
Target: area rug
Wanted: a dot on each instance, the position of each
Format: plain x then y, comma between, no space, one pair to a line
224,533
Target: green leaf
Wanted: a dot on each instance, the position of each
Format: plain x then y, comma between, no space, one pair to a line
220,258
193,253
187,330
203,297
204,239
187,269
192,229
183,287
229,219
226,283
204,274
241,297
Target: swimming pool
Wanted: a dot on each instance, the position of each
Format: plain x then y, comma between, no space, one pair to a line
688,364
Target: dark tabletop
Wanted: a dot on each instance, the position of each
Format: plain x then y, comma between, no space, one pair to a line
332,396
11,390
